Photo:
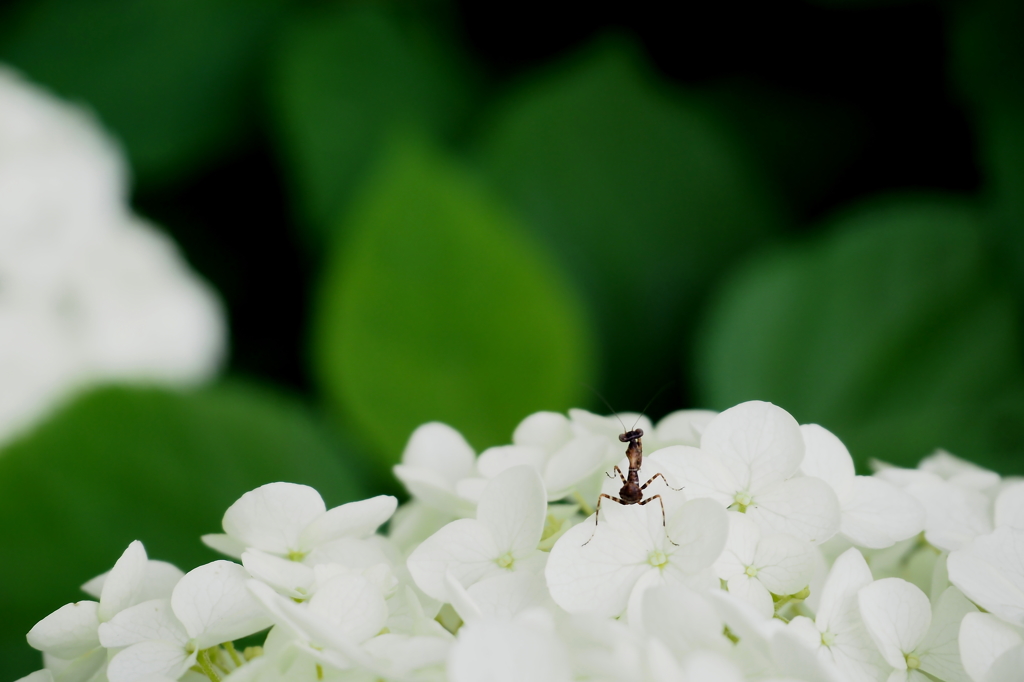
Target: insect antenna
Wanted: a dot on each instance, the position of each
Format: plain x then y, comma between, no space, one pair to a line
653,398
605,401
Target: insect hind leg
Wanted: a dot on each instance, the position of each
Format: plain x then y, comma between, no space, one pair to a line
597,512
663,523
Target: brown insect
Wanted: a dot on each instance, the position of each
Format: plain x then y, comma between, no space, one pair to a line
631,491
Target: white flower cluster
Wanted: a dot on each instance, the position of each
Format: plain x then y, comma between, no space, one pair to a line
88,291
755,553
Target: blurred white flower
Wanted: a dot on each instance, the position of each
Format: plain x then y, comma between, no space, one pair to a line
89,293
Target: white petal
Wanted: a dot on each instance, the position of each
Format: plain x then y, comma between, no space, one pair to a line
593,569
579,458
465,547
225,544
805,507
765,438
513,509
89,667
797,661
310,625
754,593
148,659
348,552
509,594
699,527
213,604
940,651
159,580
289,577
507,651
1010,506
983,639
123,585
272,516
352,605
877,514
68,632
990,571
959,471
43,675
355,519
493,461
150,620
785,564
826,457
681,618
740,546
839,609
897,615
683,427
1007,667
545,430
699,473
954,515
440,448
434,490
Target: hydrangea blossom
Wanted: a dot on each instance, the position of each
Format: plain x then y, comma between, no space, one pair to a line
90,291
513,575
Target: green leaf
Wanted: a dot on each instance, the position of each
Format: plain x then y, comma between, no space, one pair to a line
343,79
639,191
438,307
888,331
173,79
987,59
162,467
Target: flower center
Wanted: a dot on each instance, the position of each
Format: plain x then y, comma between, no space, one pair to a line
295,555
913,662
657,558
742,500
751,571
505,560
827,638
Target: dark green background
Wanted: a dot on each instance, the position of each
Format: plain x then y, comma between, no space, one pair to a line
471,211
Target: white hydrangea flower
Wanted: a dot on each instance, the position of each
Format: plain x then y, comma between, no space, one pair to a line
990,571
837,631
526,647
749,460
291,521
70,635
756,566
210,605
594,568
874,512
503,537
90,292
910,636
434,463
546,442
991,650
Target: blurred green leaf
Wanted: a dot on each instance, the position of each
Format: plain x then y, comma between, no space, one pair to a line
987,56
344,78
173,79
640,193
438,307
888,331
162,467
